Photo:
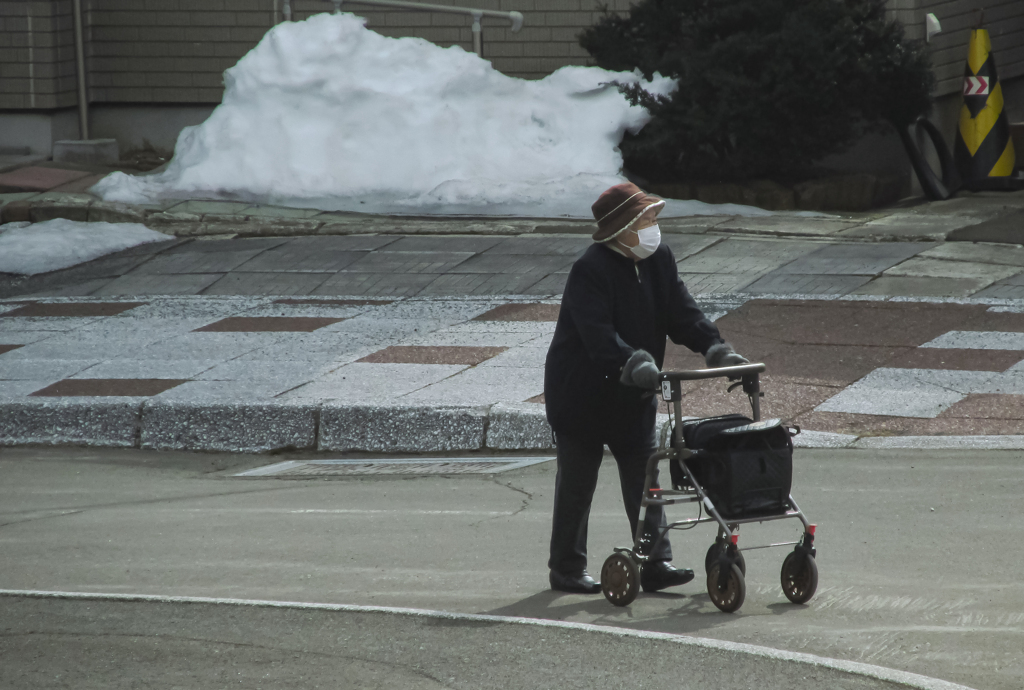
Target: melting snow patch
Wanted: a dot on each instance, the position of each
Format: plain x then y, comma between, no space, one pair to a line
327,114
59,243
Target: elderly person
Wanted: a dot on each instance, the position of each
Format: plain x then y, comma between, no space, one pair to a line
622,298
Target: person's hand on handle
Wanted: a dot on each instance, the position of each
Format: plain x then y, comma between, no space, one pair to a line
722,355
640,371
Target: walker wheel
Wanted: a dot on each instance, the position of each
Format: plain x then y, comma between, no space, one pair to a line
728,596
620,579
712,557
799,577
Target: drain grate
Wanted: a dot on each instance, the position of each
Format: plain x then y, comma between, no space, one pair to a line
391,466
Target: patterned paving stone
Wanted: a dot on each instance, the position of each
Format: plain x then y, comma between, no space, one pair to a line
1010,288
72,309
408,262
683,246
285,370
242,391
518,357
333,302
42,369
481,284
296,257
989,406
746,257
553,284
267,324
854,259
108,387
373,382
197,262
157,284
481,386
518,311
785,283
985,253
965,360
906,392
83,289
911,286
448,243
514,264
267,284
426,354
921,266
375,284
1010,382
142,369
540,246
715,283
978,340
240,244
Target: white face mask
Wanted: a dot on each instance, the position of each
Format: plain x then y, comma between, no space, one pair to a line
650,239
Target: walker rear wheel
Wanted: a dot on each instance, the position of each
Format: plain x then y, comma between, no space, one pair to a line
799,577
712,558
729,592
620,579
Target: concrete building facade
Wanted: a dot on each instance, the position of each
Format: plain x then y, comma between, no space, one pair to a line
155,66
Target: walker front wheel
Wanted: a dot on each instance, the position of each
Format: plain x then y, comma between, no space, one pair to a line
799,577
712,557
727,591
620,579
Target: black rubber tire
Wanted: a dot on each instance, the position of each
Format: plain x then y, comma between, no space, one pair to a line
934,187
799,577
712,557
730,597
620,579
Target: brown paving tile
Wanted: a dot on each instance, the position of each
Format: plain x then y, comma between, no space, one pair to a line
267,324
38,179
56,309
782,398
108,387
521,312
80,185
998,321
965,427
963,360
987,406
8,348
427,354
334,302
856,424
891,324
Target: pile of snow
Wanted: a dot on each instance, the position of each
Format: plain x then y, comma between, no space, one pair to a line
28,249
328,114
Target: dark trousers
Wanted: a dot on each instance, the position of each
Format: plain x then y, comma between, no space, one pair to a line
579,459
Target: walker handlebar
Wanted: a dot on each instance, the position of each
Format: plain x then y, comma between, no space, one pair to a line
698,374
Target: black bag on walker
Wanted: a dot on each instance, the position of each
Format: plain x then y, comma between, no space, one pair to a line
745,467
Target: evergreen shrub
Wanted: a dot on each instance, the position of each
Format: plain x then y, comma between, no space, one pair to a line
766,87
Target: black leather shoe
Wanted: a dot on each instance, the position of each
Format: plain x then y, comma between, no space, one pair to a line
577,584
658,575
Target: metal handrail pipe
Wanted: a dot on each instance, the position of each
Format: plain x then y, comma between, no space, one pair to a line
515,17
698,374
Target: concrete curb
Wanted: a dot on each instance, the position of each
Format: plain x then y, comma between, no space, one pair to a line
263,427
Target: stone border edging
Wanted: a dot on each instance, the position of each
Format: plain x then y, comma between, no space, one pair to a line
902,678
261,427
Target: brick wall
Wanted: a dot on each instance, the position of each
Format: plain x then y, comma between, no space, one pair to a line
37,55
175,51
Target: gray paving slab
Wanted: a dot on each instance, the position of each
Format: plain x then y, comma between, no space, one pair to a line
51,370
909,225
714,283
514,263
741,256
1007,254
82,289
540,245
145,369
798,284
228,245
374,284
481,386
922,266
917,286
196,262
372,383
683,246
282,284
447,243
854,259
787,225
1002,290
203,207
1008,228
278,212
158,284
553,284
481,284
202,392
283,369
408,262
302,259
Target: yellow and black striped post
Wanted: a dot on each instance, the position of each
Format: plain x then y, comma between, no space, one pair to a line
983,150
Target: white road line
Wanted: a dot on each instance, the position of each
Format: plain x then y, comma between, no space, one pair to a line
911,680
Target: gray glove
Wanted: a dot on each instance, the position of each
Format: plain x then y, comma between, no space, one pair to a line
640,371
722,355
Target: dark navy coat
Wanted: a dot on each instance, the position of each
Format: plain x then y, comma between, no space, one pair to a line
611,307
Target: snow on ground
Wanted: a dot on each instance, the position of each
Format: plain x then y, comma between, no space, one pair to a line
29,249
328,114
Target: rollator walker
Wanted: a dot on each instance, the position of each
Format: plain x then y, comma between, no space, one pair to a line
739,471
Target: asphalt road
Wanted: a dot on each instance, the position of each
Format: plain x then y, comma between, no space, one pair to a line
917,555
